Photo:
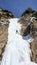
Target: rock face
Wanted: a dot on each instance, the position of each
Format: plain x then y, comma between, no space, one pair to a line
4,23
34,43
29,20
3,38
25,28
34,50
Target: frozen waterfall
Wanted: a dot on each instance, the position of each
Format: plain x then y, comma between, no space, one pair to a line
17,51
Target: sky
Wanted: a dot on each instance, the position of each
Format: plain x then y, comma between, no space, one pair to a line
17,7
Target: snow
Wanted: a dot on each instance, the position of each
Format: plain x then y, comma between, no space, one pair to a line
17,51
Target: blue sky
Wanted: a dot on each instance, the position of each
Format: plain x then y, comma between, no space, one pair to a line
17,7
